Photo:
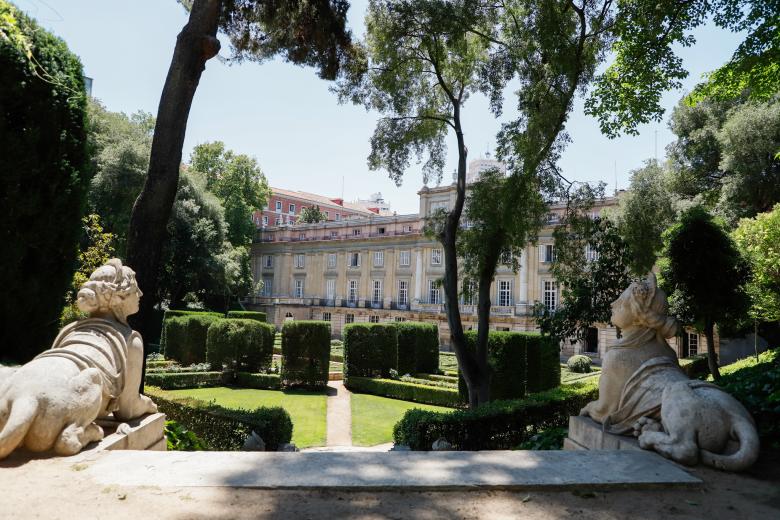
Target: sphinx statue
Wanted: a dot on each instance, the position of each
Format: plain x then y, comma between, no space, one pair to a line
93,369
643,392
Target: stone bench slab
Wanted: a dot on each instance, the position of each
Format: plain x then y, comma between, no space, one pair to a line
515,470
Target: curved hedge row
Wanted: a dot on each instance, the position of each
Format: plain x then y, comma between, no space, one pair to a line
426,394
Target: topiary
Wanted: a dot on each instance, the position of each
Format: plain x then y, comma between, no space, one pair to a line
579,364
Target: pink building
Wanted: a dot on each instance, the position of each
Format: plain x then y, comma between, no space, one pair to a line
285,206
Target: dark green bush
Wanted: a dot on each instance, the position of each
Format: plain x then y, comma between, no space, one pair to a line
695,367
305,353
506,362
178,438
185,337
418,347
579,364
395,389
248,315
178,380
259,381
240,345
497,425
544,363
370,349
175,313
226,429
44,181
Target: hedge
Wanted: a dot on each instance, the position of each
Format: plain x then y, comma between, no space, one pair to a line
225,429
543,362
248,315
175,313
418,347
695,367
579,364
258,381
497,425
178,380
243,345
370,349
305,353
394,389
507,358
185,337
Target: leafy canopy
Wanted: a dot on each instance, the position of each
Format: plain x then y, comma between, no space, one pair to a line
759,240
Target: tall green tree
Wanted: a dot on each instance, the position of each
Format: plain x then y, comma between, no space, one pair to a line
312,215
703,273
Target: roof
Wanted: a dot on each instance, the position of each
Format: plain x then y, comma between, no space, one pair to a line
321,199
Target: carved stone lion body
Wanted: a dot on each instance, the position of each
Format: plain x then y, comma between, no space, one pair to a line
92,369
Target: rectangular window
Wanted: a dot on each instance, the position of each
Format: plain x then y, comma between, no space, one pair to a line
379,258
331,260
400,319
334,234
355,232
325,316
327,215
349,318
373,319
405,258
300,261
546,253
693,343
436,256
268,287
265,220
434,294
407,229
278,221
506,258
504,293
353,291
354,259
330,289
469,292
381,231
301,236
403,292
550,294
338,217
278,206
591,253
376,296
299,288
292,209
268,261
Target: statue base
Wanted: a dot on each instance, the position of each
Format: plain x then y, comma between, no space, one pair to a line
145,433
586,434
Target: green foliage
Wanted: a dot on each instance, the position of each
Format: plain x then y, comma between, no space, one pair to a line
549,439
579,364
756,384
259,381
418,347
177,380
239,345
496,425
311,215
44,183
179,438
172,313
248,315
416,392
305,353
226,429
370,349
185,337
695,367
759,241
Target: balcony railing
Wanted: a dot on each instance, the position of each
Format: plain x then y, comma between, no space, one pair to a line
262,236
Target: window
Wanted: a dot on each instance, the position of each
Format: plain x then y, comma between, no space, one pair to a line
331,260
502,329
334,234
546,253
268,287
438,205
292,209
400,319
435,256
278,221
330,289
379,258
407,229
381,231
265,220
353,291
299,288
301,236
376,295
693,343
349,318
355,232
550,294
403,292
291,220
504,293
268,261
469,292
354,259
373,319
278,206
327,215
506,258
591,253
325,316
552,218
405,258
338,217
300,261
434,295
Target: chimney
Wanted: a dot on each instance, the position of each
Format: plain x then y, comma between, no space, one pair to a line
340,202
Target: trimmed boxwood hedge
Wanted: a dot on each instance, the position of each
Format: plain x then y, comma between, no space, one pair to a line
305,353
241,345
695,367
175,313
497,425
248,315
225,429
258,381
506,362
370,349
418,347
178,380
185,337
395,389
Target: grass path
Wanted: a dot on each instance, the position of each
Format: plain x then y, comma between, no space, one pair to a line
373,417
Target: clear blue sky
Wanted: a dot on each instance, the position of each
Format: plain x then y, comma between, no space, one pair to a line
285,116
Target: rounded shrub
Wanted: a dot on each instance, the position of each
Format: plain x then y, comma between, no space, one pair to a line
305,353
579,364
240,345
44,182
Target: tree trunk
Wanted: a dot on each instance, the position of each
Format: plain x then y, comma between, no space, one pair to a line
195,44
712,360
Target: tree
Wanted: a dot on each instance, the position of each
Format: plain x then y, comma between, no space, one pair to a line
239,184
643,215
703,273
305,33
312,215
44,183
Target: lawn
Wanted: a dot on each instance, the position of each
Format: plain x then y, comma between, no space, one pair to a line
448,362
568,377
373,417
307,409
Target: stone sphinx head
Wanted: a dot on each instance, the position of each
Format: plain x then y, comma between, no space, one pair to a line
643,305
111,292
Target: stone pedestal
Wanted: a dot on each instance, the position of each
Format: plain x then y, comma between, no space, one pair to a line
145,433
586,434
